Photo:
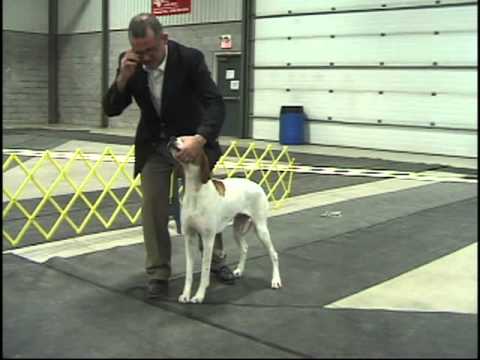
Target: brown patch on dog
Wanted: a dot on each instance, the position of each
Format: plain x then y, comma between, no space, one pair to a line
219,186
202,160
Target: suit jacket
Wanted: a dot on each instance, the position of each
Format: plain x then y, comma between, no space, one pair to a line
191,104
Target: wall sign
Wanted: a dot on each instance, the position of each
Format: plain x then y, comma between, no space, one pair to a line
226,41
171,7
230,74
235,85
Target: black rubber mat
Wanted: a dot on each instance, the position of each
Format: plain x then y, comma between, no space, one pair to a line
64,316
94,305
97,308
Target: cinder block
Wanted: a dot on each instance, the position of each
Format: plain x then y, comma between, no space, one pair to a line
25,80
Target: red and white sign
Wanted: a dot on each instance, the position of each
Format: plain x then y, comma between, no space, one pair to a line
171,7
226,41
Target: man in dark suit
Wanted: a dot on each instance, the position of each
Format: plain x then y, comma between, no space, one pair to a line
172,86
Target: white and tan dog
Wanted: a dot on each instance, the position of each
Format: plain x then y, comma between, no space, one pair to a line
208,206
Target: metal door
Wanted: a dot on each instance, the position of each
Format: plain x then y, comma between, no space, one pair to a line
228,80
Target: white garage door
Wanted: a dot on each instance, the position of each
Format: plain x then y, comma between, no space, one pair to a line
393,75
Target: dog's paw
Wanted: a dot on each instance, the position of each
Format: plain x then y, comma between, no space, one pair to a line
183,299
237,273
197,299
276,283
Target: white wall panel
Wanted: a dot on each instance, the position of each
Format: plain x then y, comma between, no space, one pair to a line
441,142
276,7
203,11
390,22
441,81
79,16
406,100
446,49
398,109
121,11
25,15
432,110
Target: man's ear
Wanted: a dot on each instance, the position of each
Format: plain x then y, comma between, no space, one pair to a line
204,168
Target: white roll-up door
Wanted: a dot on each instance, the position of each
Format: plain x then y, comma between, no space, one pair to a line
390,75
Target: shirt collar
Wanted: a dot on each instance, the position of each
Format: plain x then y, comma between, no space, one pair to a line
162,65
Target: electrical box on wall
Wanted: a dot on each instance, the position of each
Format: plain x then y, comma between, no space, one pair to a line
226,41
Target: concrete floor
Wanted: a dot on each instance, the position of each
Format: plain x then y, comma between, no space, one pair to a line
393,275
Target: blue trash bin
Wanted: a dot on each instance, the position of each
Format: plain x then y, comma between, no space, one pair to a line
292,124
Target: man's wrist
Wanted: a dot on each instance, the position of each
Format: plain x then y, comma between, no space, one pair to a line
121,82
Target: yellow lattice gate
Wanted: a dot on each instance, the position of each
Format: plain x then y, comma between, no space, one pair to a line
102,185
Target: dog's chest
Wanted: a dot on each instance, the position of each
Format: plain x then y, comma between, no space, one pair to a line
196,213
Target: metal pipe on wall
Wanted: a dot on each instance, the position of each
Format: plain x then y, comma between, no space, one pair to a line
247,48
53,117
105,57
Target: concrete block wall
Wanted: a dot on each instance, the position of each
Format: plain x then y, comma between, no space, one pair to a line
25,54
204,37
79,79
25,72
25,78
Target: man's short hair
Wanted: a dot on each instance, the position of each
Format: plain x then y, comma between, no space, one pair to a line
140,23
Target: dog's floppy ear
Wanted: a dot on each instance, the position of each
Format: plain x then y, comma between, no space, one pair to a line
204,168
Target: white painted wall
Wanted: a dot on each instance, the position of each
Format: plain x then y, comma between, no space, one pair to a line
203,11
25,15
427,110
79,16
275,7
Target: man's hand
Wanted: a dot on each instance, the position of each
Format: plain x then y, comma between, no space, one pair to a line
127,68
192,145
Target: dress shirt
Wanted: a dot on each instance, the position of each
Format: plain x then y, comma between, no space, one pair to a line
155,82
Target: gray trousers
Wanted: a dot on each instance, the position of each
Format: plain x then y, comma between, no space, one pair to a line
155,178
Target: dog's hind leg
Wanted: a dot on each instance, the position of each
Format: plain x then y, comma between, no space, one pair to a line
187,288
208,241
263,235
241,225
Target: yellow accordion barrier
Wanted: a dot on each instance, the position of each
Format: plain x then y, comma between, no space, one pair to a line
73,176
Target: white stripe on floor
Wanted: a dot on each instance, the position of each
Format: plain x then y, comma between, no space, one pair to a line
332,196
447,284
124,237
48,173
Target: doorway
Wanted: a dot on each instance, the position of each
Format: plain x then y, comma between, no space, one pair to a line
228,66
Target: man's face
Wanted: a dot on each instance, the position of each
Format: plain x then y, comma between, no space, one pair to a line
150,49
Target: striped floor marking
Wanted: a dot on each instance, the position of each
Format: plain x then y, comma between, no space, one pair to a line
252,164
57,154
326,170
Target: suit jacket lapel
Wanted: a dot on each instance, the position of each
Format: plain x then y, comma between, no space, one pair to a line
142,81
171,71
142,84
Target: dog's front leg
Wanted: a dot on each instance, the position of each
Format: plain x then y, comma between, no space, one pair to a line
208,241
187,288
